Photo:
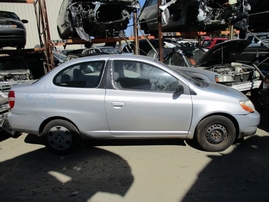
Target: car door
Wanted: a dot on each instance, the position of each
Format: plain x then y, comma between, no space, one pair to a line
80,97
142,103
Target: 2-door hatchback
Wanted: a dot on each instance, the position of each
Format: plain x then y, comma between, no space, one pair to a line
123,97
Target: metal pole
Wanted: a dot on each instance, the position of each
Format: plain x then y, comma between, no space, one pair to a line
48,39
160,32
231,30
135,26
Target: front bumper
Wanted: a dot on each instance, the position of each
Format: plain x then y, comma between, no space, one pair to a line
247,85
248,124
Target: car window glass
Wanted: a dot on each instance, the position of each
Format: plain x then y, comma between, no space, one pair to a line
109,50
4,14
177,59
198,53
82,75
134,75
206,43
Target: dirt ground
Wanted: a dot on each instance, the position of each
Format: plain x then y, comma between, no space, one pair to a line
136,171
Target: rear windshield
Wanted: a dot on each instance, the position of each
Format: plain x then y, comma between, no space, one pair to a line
4,14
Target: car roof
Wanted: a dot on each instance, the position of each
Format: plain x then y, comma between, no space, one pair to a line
111,56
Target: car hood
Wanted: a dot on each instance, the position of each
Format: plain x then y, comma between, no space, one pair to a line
225,90
224,52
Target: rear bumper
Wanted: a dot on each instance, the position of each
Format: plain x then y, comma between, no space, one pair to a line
25,123
12,38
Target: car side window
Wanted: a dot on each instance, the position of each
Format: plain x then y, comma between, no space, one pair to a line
132,75
82,75
177,59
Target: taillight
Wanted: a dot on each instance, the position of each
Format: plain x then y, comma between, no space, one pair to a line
11,99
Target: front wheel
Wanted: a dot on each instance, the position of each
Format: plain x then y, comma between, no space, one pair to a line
215,133
61,136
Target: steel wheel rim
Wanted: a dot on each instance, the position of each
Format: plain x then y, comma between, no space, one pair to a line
216,134
59,138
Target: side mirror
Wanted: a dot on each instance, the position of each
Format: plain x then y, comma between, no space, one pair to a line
165,17
24,21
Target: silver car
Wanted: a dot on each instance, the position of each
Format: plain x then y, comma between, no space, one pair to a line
123,97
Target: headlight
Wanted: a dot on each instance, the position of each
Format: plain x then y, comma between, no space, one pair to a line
247,105
223,78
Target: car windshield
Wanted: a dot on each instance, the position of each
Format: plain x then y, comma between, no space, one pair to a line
198,53
191,80
196,82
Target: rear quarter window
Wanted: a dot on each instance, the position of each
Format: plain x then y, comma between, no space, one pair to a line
82,75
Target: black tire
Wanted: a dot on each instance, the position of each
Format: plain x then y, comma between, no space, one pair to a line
61,136
215,133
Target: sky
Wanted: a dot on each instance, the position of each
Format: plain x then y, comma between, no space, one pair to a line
129,30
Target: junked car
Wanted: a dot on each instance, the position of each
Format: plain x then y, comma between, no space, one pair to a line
263,94
194,15
123,97
264,97
58,57
85,19
100,49
12,30
4,108
209,42
221,60
13,71
258,50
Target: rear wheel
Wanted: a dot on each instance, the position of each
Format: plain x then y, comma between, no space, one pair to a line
61,136
215,133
